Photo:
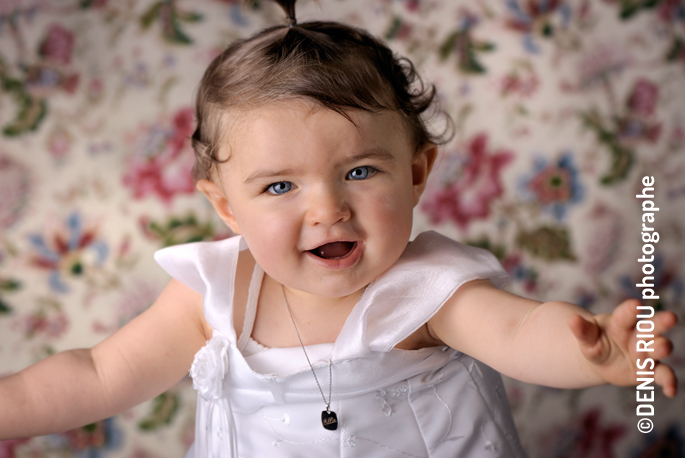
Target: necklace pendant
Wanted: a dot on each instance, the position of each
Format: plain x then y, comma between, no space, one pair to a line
329,420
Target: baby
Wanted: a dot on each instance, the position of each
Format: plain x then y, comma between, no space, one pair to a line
321,330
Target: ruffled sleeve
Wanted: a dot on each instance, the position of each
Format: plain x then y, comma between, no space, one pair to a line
208,268
408,294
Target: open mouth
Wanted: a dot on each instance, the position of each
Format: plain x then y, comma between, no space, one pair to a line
334,250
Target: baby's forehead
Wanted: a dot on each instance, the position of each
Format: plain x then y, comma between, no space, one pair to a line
269,131
245,121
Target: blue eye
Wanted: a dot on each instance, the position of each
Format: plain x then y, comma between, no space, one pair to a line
361,173
279,188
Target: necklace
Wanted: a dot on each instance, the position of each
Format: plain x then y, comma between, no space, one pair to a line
329,419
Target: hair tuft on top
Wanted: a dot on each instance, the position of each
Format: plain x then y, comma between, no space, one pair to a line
289,8
327,63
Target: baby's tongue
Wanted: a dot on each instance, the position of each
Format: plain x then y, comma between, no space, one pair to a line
333,250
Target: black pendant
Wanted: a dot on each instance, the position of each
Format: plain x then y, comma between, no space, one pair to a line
329,420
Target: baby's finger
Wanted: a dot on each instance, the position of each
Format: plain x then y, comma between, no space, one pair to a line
662,348
663,321
665,377
587,332
625,315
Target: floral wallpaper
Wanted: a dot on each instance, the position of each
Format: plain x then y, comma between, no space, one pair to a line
560,108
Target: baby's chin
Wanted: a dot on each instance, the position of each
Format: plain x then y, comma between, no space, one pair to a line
335,290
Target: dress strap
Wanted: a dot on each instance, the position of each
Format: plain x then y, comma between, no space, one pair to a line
251,306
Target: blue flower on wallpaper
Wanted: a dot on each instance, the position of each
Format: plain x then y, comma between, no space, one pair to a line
667,284
90,441
537,17
67,251
236,14
554,185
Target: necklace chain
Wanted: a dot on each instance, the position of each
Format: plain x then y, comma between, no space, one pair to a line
330,361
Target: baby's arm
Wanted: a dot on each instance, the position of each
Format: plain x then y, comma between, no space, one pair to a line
554,343
74,388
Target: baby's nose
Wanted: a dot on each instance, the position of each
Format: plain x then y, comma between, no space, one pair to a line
327,205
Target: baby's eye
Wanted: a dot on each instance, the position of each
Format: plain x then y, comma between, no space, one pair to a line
361,173
279,188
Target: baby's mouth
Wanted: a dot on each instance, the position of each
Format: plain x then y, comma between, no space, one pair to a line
334,250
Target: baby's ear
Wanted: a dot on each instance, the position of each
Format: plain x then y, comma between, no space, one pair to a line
218,200
421,166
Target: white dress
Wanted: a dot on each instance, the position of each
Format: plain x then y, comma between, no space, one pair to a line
433,402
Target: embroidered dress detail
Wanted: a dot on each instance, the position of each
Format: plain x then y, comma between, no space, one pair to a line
433,402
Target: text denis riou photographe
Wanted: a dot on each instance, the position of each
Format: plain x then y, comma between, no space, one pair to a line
644,393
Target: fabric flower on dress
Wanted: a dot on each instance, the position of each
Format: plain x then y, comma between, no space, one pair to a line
209,367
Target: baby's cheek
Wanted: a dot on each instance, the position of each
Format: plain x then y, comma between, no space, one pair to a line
396,208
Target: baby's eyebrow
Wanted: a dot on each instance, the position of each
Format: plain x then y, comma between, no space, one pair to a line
372,153
269,173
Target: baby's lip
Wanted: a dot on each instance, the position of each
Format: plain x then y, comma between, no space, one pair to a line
339,262
343,240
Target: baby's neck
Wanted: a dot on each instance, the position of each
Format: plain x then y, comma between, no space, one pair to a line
319,319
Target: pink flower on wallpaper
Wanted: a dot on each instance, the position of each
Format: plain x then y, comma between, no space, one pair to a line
162,159
465,194
642,101
47,324
606,232
8,447
516,84
584,436
58,44
638,123
602,63
672,12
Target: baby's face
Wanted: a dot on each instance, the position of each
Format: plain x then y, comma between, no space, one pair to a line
325,207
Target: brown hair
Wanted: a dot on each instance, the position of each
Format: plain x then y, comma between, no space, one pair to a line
331,64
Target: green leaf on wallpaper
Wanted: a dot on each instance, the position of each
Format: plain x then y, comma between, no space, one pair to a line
5,309
395,26
164,409
85,4
176,230
190,17
484,242
483,46
551,243
7,284
448,46
150,15
31,110
466,48
167,13
676,50
172,30
630,8
175,35
622,157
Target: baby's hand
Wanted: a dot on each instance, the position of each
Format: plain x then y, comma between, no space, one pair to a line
610,342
